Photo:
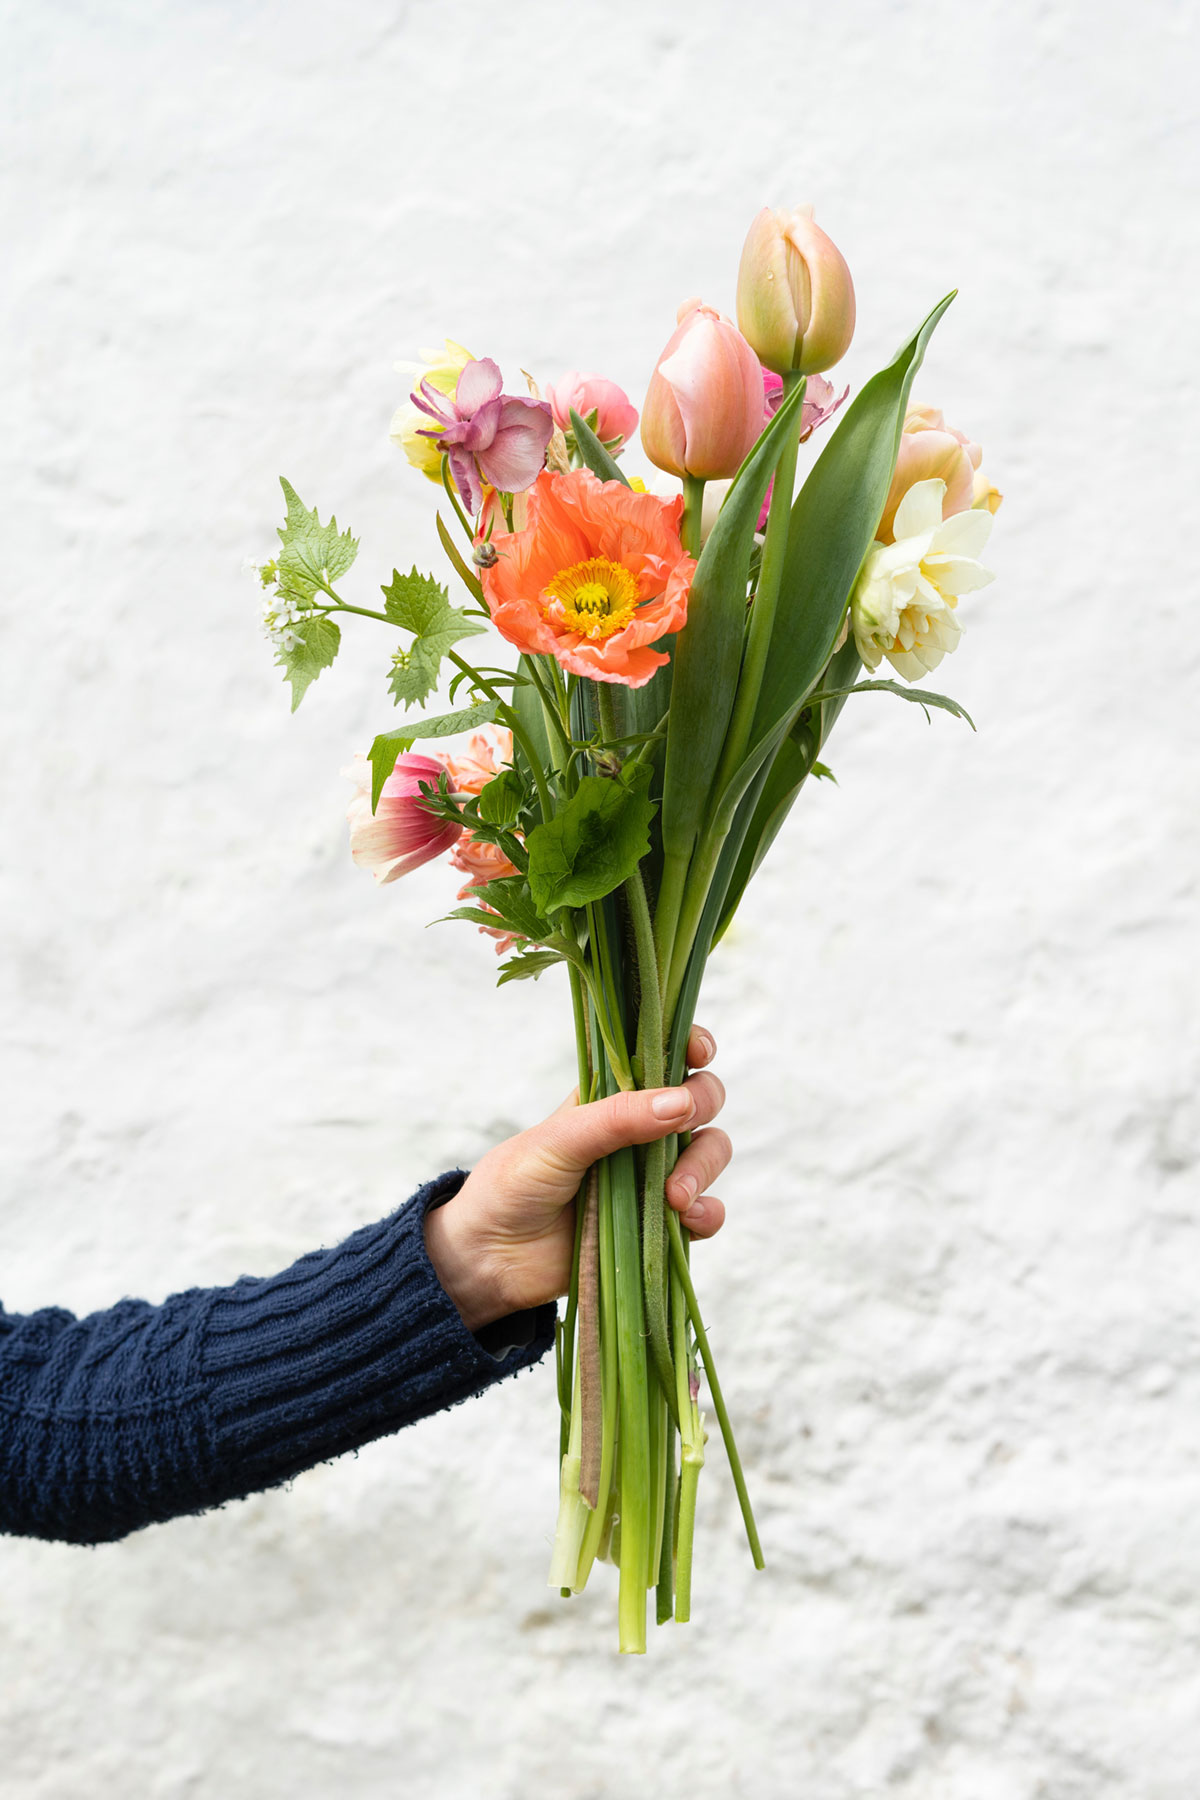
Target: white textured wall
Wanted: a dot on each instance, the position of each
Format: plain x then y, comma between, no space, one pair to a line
956,1298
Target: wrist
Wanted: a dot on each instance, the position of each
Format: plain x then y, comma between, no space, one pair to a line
456,1263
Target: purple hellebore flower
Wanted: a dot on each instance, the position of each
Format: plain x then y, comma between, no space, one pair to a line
817,406
488,436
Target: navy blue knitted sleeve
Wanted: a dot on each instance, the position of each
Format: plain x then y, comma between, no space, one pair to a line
142,1412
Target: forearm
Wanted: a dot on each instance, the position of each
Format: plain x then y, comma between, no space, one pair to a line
143,1413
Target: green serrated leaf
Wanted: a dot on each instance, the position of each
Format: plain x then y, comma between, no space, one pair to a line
511,898
822,772
528,966
312,556
921,697
596,841
419,604
501,800
317,645
391,744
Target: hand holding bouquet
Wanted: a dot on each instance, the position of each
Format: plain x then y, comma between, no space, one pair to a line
676,680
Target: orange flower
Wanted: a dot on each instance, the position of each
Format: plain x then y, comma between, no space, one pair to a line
597,576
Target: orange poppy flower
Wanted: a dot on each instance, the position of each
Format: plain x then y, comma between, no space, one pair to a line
595,578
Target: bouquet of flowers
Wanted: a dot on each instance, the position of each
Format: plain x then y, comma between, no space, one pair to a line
681,661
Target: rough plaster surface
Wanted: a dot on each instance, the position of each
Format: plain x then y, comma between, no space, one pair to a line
956,1298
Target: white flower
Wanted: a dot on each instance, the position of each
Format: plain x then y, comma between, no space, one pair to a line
904,602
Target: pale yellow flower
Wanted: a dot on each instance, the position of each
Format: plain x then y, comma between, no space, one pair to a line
441,369
905,598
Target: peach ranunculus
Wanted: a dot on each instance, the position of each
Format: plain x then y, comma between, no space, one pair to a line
486,754
401,834
931,450
597,576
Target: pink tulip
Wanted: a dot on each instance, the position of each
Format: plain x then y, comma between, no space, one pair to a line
401,834
616,417
704,405
795,298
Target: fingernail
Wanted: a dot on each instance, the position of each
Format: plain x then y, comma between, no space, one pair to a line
673,1103
686,1185
709,1042
694,1214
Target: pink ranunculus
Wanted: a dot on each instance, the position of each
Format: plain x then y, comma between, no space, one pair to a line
817,407
616,416
704,405
401,834
488,436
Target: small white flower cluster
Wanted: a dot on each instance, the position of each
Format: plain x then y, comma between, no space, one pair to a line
281,613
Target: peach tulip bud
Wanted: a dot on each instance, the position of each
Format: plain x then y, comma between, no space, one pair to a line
926,455
795,298
704,405
401,834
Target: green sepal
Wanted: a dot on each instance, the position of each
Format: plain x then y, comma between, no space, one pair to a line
391,744
599,460
596,841
312,556
319,639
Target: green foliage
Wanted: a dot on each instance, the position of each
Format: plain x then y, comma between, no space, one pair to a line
312,556
419,604
832,527
502,799
528,965
391,744
596,841
317,641
599,460
511,904
708,651
921,697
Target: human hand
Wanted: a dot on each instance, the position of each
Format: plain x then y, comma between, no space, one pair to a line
506,1240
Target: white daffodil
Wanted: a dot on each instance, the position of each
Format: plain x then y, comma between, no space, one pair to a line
904,602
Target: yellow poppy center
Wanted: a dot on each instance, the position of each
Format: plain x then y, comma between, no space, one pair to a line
596,597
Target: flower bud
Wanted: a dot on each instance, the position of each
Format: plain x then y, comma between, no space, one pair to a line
704,406
795,298
616,416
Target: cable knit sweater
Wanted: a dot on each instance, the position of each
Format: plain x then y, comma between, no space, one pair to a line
143,1412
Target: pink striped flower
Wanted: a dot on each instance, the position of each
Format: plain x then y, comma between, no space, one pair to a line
401,834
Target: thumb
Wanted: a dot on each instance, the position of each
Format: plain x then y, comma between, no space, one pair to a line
577,1136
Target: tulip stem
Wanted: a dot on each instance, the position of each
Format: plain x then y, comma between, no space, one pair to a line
693,507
